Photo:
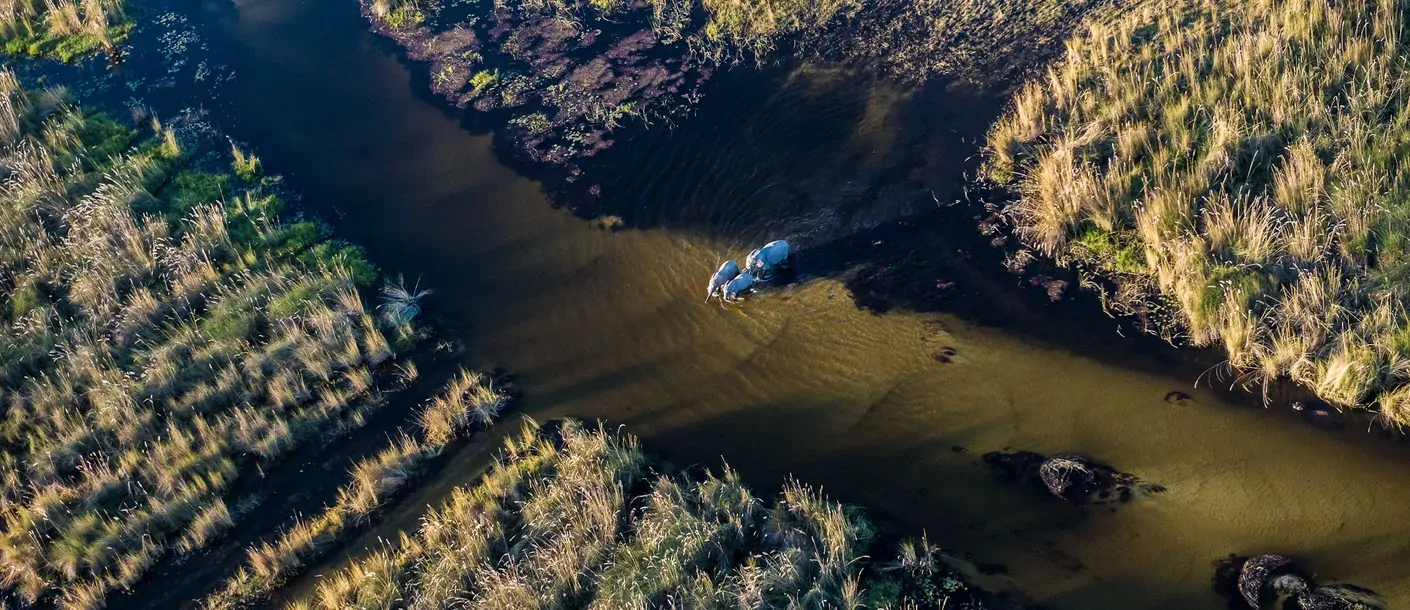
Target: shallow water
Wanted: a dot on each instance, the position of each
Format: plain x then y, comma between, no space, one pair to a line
801,381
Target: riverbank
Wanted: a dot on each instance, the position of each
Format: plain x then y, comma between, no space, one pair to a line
573,515
469,402
562,79
64,30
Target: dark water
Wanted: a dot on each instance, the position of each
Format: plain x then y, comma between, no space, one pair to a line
801,381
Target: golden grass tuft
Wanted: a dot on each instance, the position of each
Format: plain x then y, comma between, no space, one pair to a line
471,398
373,481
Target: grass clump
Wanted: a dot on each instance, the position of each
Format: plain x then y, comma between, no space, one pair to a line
245,165
469,399
1254,154
572,516
151,351
62,29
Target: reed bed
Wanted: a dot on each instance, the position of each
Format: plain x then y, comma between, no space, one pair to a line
374,481
1247,161
164,333
573,516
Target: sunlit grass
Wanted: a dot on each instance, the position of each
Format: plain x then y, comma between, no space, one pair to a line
374,480
63,29
164,332
1254,154
553,525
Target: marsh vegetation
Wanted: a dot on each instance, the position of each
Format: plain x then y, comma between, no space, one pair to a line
1247,162
470,401
166,334
575,516
62,29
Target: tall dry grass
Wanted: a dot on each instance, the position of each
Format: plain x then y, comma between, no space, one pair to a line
158,343
1251,155
374,481
572,517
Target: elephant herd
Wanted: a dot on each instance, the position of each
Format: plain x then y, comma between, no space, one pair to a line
730,283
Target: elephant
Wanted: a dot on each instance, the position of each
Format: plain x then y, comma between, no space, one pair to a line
732,290
762,261
727,271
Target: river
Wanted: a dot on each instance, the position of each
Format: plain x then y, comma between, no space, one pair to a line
802,381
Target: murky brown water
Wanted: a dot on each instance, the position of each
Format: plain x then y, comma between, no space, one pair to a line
601,324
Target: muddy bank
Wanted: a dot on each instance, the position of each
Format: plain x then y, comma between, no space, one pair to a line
559,81
992,44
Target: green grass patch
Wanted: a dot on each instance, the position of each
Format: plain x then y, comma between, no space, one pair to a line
66,48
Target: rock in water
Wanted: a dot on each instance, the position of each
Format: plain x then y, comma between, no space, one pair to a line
1073,478
728,271
1256,573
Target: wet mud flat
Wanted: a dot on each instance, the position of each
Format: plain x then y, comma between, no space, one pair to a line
561,82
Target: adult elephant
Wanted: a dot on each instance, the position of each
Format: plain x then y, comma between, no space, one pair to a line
761,262
727,271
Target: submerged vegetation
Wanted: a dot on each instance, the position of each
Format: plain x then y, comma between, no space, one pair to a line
164,333
1248,161
573,516
62,29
